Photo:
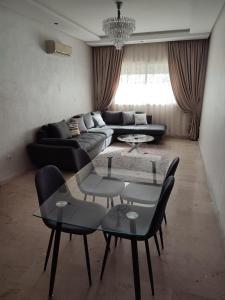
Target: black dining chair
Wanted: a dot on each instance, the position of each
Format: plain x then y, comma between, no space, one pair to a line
148,193
48,180
116,229
171,172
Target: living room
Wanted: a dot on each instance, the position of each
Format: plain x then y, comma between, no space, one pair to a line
39,88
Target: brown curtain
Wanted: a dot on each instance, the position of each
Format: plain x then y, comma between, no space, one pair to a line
187,67
107,62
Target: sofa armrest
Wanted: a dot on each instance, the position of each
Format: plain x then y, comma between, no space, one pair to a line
59,142
61,156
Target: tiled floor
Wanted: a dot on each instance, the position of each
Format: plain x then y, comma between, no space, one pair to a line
192,265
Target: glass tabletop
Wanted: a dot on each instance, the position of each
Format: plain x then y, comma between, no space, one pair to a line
113,193
135,138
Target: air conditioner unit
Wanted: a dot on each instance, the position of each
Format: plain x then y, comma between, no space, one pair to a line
57,47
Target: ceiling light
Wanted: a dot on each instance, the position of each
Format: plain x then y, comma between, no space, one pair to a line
118,29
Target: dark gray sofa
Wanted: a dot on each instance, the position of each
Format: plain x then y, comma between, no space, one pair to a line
61,151
115,121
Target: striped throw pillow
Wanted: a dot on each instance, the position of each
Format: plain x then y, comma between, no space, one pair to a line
73,126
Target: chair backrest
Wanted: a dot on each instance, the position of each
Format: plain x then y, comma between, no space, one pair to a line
81,159
47,180
172,168
161,206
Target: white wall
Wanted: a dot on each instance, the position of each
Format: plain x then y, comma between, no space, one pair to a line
212,133
35,87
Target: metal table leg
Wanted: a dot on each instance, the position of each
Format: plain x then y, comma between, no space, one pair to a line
134,146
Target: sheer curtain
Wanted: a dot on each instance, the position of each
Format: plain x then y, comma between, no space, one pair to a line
145,86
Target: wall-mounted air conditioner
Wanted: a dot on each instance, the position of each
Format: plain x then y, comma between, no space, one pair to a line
57,47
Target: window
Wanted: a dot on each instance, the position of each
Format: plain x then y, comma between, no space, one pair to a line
144,76
143,89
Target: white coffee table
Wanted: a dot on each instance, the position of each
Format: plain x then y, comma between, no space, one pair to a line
135,140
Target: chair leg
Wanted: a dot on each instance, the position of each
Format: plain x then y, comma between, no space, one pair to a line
165,219
105,255
136,273
54,261
87,259
161,237
49,249
116,240
112,202
106,238
149,266
157,243
121,199
107,202
70,236
85,197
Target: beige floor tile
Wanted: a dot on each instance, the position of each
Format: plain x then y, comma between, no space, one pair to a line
192,266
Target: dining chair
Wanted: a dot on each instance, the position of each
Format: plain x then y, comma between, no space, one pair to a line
148,194
117,229
48,180
93,184
170,172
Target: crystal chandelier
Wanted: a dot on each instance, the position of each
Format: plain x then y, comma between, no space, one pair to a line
118,29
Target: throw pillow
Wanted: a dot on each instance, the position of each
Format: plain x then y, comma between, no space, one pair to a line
73,126
81,124
88,121
113,117
98,120
140,119
128,118
59,130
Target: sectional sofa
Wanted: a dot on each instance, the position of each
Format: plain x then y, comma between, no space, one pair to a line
54,143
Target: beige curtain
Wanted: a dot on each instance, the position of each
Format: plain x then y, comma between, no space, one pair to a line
145,86
107,63
187,68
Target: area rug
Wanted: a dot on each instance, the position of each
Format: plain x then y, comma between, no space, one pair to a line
137,166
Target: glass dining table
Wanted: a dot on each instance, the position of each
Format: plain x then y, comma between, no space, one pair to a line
101,186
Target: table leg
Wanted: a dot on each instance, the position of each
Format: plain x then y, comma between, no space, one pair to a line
136,269
54,259
134,146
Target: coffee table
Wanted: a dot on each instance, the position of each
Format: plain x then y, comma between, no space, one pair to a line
135,140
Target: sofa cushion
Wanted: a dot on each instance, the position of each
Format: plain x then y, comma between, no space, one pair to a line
81,124
140,119
59,130
89,123
89,140
73,126
150,129
113,117
104,130
128,117
98,121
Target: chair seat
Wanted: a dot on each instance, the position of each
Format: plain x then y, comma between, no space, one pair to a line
142,193
88,217
66,228
96,185
117,223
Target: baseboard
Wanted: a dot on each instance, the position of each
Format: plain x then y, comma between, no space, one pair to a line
214,203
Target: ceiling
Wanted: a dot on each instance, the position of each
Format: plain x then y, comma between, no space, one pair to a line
156,20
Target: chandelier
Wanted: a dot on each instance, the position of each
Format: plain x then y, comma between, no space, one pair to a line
118,29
